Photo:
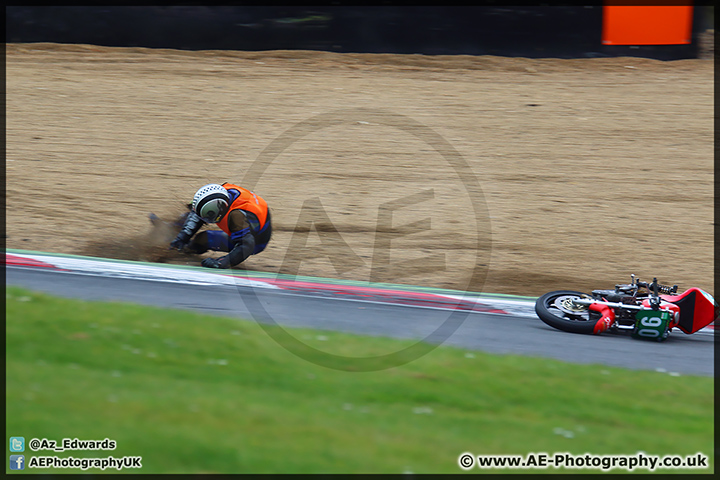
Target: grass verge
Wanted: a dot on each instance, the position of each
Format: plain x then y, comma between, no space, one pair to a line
192,393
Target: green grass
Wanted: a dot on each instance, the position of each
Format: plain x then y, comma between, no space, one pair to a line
193,393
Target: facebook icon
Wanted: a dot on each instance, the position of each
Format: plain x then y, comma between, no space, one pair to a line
17,462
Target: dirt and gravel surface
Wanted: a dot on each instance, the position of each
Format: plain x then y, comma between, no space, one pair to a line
493,174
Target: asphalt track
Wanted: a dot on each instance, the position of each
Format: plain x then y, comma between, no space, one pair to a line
503,333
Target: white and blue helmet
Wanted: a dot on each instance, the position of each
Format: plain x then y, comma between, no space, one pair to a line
211,202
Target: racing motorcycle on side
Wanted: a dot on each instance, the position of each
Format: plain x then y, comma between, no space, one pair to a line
645,310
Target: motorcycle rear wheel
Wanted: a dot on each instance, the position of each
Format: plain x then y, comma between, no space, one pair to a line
556,309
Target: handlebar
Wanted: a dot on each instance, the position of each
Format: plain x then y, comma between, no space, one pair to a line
665,289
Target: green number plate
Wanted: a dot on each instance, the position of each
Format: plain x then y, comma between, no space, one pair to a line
652,324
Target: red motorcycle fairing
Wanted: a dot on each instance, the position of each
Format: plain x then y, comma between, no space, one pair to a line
697,309
607,317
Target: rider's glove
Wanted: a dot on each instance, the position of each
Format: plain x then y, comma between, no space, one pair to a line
180,241
210,262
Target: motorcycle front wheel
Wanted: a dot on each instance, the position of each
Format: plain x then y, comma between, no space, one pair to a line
558,310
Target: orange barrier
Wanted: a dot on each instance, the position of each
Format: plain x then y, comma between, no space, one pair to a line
647,25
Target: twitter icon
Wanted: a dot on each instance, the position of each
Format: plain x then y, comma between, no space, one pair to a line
17,444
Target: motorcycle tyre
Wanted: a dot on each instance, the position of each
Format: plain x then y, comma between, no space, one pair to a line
561,323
